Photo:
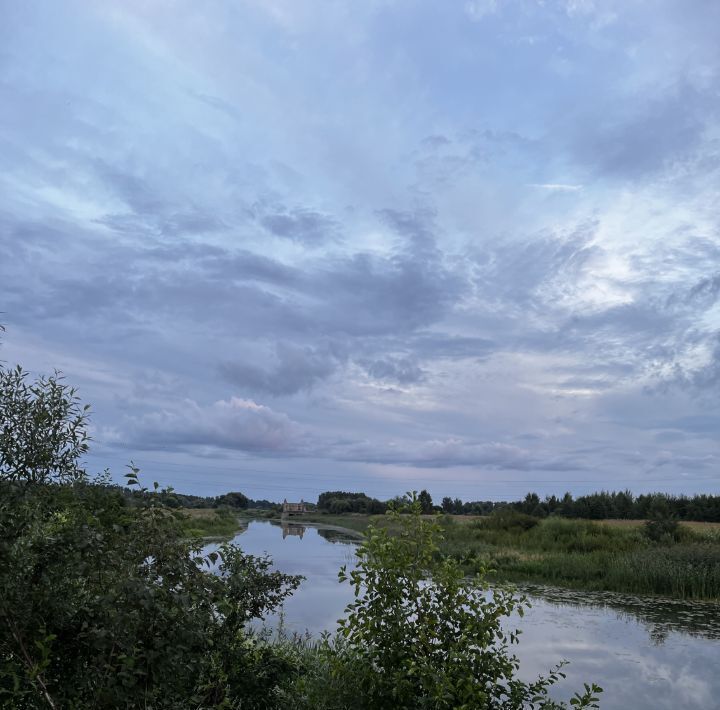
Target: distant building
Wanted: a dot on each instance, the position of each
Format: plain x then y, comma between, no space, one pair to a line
290,509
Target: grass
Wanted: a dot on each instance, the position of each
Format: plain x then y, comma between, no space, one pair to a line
589,555
209,522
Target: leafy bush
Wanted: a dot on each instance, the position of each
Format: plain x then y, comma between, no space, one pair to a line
661,525
420,634
509,519
107,605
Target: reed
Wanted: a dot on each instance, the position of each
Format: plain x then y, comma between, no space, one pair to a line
588,555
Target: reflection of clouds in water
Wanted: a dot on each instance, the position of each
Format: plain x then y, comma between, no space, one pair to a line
659,616
615,651
609,639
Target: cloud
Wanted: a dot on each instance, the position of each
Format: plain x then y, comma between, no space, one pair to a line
300,224
313,237
557,187
236,424
297,369
654,135
404,371
451,452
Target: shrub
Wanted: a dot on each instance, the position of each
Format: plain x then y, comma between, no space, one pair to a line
509,519
421,635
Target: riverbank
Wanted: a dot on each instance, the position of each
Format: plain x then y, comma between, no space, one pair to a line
209,522
578,554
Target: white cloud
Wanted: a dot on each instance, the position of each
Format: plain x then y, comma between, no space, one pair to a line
557,187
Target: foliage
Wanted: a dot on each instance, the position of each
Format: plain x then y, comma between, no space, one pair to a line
621,505
587,554
425,502
422,635
233,499
661,524
108,605
509,519
212,523
338,502
43,429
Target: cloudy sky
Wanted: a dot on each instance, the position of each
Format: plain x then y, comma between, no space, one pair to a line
285,246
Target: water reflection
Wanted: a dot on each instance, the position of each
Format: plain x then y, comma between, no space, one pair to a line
659,616
292,529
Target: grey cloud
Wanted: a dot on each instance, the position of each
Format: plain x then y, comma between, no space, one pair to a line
439,345
374,295
451,452
300,224
634,146
296,369
706,290
697,424
218,104
150,210
371,295
237,424
246,265
404,371
417,225
435,141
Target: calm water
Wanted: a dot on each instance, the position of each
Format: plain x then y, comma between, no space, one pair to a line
644,653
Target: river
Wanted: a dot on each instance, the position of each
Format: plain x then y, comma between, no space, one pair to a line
646,653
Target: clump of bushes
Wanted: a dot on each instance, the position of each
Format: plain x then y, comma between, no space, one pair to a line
508,519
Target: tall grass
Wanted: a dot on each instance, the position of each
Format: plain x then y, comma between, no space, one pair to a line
212,523
587,555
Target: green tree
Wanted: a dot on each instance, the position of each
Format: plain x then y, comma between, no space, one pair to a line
426,503
233,499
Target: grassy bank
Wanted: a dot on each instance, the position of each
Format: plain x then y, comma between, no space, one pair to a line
606,555
589,555
209,522
350,521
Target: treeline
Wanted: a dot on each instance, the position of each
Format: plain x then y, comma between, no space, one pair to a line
172,499
337,502
604,505
623,505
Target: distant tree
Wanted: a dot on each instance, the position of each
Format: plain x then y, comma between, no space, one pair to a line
233,499
425,500
337,502
447,505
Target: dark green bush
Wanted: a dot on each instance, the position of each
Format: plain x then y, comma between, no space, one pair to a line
509,519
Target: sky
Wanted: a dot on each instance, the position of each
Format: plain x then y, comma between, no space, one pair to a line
288,246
